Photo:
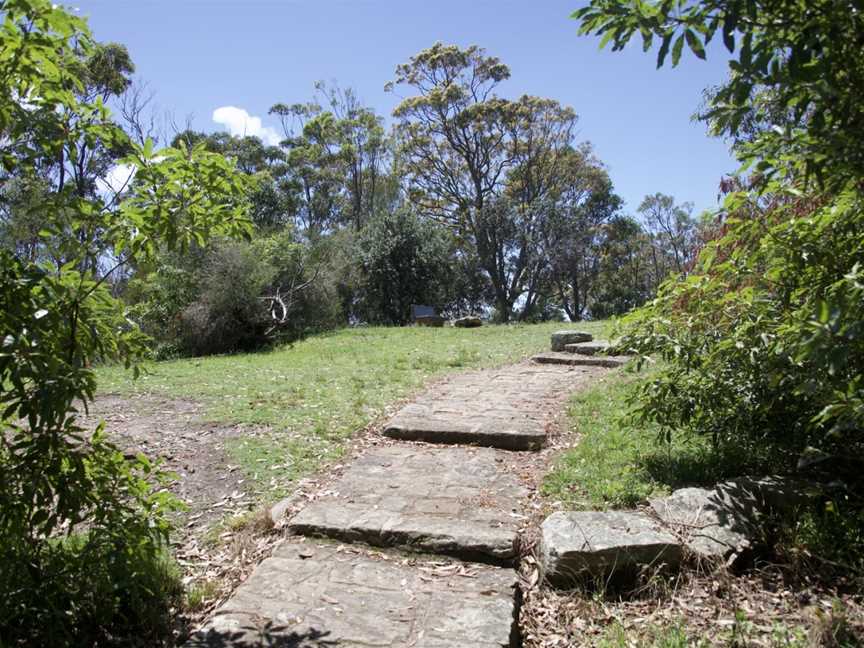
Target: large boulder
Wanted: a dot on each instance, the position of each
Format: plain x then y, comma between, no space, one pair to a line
561,339
576,545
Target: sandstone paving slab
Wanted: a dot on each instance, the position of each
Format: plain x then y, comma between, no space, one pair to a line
576,544
575,360
460,501
506,408
314,594
588,348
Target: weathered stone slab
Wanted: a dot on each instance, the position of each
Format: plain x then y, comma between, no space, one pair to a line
456,501
588,348
720,523
709,524
574,360
560,339
506,408
313,595
580,544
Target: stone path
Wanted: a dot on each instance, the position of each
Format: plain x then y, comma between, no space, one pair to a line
452,501
503,408
411,499
571,359
313,595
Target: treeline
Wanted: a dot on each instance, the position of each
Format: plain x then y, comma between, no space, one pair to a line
470,203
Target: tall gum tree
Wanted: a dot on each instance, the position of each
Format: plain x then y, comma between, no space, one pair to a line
485,166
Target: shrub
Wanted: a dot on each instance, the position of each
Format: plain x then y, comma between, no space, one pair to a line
82,529
404,260
764,341
228,313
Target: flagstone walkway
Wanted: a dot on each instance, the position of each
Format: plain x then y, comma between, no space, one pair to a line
407,509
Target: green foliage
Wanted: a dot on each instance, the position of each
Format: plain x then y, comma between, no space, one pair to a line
826,539
82,528
793,100
764,340
625,270
403,261
763,343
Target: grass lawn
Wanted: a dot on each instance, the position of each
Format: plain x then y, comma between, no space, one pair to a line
619,462
306,399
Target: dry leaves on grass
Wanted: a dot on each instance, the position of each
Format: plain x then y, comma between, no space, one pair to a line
755,609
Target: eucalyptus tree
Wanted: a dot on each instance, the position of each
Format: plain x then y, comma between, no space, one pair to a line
336,157
674,232
485,166
573,232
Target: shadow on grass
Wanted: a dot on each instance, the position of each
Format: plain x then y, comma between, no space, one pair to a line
678,467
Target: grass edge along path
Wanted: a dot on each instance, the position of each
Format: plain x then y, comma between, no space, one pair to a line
298,404
618,462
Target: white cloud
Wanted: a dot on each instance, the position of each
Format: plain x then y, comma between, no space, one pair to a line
241,123
117,179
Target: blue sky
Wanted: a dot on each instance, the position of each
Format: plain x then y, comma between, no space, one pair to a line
200,56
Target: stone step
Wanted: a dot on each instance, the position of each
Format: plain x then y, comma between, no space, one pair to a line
515,433
318,594
507,408
560,339
453,501
572,359
588,348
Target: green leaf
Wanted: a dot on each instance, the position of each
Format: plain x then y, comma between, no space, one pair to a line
695,44
677,48
664,49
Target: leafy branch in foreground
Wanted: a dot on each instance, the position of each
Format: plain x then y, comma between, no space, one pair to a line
763,340
796,79
82,528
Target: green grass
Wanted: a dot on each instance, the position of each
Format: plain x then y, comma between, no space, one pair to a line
617,462
654,636
677,635
306,400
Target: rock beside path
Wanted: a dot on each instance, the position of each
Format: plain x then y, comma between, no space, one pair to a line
580,544
715,525
722,523
314,594
560,339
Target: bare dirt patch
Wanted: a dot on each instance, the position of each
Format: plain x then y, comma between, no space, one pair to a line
173,431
